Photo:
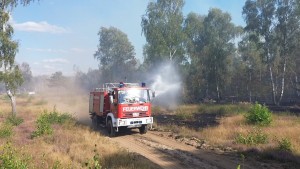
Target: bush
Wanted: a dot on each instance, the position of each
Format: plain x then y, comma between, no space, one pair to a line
46,119
14,120
253,138
259,115
43,126
10,158
285,144
6,130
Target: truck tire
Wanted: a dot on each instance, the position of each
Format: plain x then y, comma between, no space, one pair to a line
110,129
143,129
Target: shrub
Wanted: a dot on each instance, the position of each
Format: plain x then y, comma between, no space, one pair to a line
14,120
6,130
259,114
285,144
46,119
43,127
252,138
11,158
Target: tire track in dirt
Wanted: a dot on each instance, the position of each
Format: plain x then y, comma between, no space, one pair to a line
170,154
129,142
210,158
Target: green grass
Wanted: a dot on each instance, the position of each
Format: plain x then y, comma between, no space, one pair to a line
224,109
183,114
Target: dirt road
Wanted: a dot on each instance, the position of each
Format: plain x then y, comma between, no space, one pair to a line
170,154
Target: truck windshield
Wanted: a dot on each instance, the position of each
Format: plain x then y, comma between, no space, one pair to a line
133,96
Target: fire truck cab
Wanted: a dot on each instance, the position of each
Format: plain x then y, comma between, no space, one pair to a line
121,105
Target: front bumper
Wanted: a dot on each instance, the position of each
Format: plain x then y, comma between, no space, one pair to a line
134,122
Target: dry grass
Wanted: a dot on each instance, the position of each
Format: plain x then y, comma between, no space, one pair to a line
282,127
73,145
231,123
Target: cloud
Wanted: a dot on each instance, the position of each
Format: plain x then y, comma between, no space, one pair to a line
56,61
49,50
49,67
77,50
46,50
43,26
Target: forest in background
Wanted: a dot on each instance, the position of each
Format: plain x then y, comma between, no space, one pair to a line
215,59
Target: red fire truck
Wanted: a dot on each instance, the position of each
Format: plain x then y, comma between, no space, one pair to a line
121,105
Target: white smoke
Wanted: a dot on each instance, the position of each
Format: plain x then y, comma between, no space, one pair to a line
166,84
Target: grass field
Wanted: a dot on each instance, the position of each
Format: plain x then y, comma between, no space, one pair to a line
71,144
226,126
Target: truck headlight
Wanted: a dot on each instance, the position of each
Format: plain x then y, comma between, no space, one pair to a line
149,120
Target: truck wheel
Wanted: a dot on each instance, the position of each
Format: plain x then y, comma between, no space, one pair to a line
110,129
143,129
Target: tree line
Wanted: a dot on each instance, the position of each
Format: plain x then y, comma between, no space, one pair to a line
217,59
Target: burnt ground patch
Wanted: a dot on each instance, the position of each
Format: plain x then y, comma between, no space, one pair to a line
198,121
291,109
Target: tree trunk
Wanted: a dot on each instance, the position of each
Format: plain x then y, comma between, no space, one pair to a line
12,100
282,81
250,88
297,84
273,86
218,93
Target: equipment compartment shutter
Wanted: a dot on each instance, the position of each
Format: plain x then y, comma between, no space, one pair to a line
101,102
91,102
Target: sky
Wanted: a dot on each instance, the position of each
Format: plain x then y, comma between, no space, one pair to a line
62,35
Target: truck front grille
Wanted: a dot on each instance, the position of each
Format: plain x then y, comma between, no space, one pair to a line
134,114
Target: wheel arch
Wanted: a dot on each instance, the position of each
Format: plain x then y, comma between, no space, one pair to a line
111,117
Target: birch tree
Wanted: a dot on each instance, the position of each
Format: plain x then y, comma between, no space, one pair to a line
219,35
162,27
275,24
10,73
116,54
